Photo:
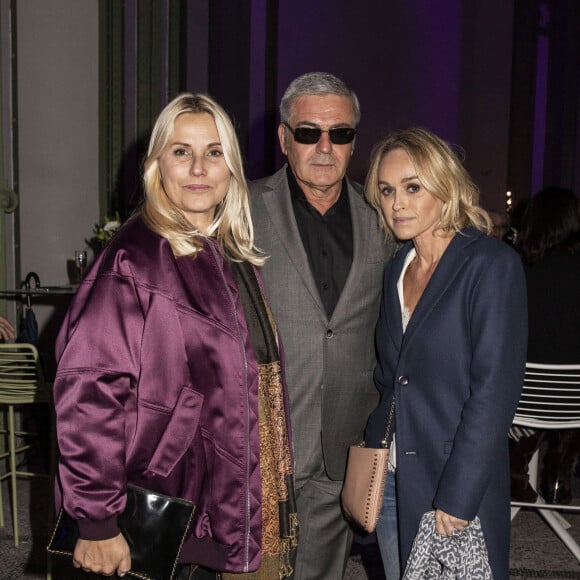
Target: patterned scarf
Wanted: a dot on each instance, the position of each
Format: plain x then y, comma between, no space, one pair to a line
279,518
462,556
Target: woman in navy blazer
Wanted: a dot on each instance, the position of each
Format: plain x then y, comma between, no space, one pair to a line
451,342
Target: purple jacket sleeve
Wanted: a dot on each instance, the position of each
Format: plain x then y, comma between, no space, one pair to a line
98,351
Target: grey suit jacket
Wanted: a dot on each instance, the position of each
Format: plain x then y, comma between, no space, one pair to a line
329,363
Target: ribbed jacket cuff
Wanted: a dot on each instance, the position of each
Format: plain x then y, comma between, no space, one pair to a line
98,530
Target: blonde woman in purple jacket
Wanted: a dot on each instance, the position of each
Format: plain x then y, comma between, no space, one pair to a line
169,372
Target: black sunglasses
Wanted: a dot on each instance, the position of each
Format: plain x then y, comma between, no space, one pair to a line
311,135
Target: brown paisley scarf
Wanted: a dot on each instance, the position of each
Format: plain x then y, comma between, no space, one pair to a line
279,519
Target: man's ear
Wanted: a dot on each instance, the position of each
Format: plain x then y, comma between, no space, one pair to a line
282,138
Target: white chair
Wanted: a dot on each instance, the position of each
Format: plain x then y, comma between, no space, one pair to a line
550,400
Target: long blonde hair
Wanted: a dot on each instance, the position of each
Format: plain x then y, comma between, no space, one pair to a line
440,171
232,224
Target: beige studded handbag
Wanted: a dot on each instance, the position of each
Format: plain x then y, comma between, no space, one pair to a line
365,480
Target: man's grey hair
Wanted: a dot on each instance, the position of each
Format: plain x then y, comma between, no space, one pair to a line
316,83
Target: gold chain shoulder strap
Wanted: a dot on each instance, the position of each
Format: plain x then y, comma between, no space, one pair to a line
384,441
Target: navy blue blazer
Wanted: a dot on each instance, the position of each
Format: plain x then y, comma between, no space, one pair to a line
456,375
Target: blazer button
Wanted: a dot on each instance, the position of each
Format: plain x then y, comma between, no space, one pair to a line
329,333
403,381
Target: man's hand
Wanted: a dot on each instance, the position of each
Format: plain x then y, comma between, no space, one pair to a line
446,523
103,556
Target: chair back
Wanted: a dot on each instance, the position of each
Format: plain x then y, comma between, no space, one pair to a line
550,397
21,378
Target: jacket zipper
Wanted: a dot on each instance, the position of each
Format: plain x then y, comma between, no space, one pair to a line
248,454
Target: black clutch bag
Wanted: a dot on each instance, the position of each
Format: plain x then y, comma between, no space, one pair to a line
154,525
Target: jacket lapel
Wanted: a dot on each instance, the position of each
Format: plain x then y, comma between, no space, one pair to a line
441,280
391,303
361,223
278,202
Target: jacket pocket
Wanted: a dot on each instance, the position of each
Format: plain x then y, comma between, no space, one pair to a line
178,434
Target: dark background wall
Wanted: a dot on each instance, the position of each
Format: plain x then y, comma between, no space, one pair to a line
499,79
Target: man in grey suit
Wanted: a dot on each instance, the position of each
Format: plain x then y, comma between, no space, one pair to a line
323,280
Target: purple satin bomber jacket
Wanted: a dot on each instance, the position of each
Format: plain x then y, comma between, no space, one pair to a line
157,385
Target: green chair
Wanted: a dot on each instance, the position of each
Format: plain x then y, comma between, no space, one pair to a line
21,383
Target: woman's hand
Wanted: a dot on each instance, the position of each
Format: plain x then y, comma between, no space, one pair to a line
6,329
446,523
103,556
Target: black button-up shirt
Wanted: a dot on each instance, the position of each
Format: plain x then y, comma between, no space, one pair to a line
327,240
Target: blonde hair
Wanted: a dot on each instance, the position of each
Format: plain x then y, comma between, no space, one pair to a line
232,225
440,172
